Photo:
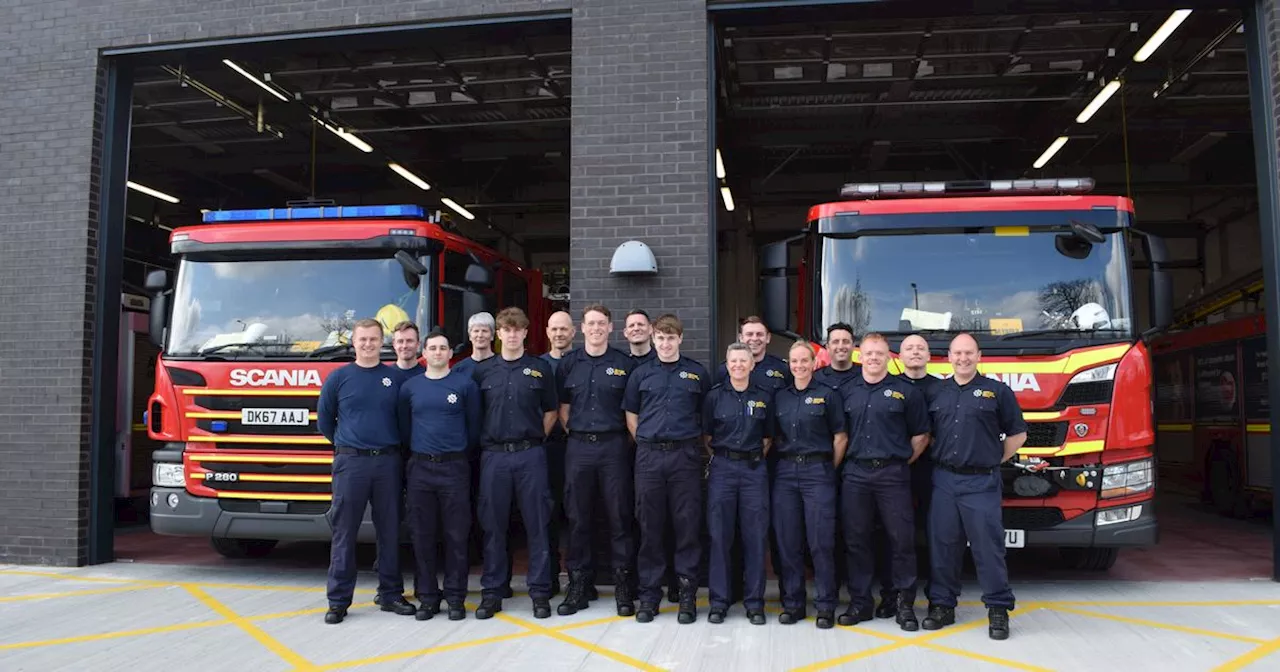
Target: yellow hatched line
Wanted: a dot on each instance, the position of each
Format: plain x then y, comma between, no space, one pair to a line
1249,658
196,391
113,635
285,653
1156,624
902,642
588,646
77,593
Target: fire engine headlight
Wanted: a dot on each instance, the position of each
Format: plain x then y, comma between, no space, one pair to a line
1126,479
167,475
1123,514
1095,375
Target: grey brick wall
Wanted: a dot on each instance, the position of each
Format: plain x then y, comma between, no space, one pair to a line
639,156
49,76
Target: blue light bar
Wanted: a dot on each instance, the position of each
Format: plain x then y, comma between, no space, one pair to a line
329,212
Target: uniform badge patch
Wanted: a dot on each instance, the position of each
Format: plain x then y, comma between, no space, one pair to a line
386,382
452,398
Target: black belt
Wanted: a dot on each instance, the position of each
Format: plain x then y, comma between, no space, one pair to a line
595,437
442,457
510,446
668,445
965,470
806,458
366,453
740,455
879,462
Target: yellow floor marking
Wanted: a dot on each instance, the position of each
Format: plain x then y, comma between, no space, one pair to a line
582,644
984,658
444,648
861,655
284,652
74,593
1250,658
115,635
72,577
1156,624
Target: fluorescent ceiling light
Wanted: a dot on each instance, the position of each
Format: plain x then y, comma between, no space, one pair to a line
247,75
1050,151
1098,101
457,208
727,196
355,142
404,172
719,166
151,192
1162,33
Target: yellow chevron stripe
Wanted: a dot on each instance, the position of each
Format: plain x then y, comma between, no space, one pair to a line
224,415
265,459
1069,448
279,496
283,440
250,393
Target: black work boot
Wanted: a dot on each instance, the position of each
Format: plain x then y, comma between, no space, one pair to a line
791,616
907,613
623,595
939,618
646,612
826,620
688,601
398,605
855,615
457,610
335,615
998,623
575,598
428,607
888,604
488,607
541,607
673,590
717,615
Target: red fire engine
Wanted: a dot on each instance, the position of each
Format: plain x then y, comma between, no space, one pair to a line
260,312
1039,273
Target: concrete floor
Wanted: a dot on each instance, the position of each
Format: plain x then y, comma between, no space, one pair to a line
141,616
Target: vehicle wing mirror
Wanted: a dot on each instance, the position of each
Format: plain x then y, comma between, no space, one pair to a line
1087,231
775,287
1161,298
158,316
410,263
157,281
1071,246
478,276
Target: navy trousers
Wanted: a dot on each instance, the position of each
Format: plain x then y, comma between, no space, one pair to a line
598,473
668,488
556,452
737,502
509,480
804,510
439,504
360,481
866,492
967,507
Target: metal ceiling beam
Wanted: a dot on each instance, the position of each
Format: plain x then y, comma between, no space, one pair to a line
401,65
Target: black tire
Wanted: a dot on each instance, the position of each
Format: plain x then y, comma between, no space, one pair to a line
1090,559
238,549
1225,493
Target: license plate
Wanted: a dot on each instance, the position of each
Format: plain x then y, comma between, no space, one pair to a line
275,416
1015,538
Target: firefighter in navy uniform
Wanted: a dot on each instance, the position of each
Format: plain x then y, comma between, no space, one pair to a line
842,369
888,429
520,408
970,413
663,402
404,339
770,373
737,418
560,335
356,412
809,442
914,355
439,420
598,461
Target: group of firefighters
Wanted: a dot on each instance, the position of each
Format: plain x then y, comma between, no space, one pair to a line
780,459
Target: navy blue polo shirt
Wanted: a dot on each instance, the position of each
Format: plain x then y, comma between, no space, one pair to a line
668,398
925,385
647,357
439,416
770,373
516,396
738,421
969,419
883,417
593,388
807,420
467,365
557,432
837,379
357,407
406,374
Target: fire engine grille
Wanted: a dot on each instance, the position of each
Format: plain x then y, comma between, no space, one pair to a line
235,427
1031,518
1046,434
1086,394
235,403
248,477
252,506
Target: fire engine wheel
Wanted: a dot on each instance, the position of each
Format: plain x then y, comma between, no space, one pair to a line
243,548
1090,559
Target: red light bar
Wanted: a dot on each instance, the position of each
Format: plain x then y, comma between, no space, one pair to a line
861,191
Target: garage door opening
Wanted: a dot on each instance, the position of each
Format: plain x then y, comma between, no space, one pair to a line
1151,105
461,130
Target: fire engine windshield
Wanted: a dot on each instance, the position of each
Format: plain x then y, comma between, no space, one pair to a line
1011,286
286,308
